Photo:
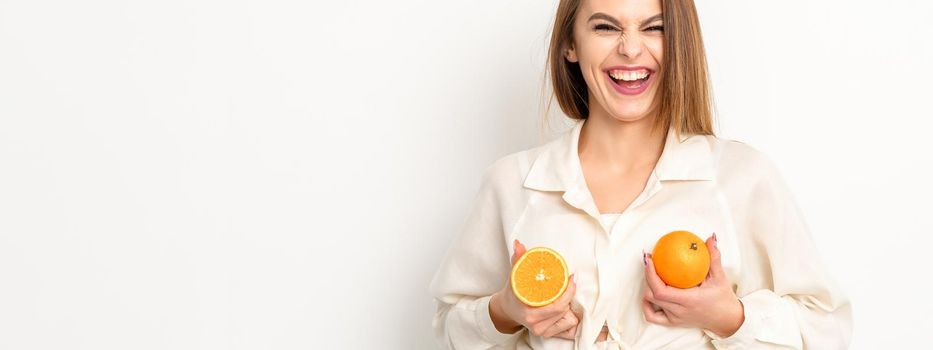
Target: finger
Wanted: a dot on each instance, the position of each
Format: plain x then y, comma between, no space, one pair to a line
715,258
559,306
570,334
567,321
654,316
544,325
668,305
577,314
661,291
519,249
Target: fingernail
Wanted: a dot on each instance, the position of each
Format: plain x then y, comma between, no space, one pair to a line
571,276
715,240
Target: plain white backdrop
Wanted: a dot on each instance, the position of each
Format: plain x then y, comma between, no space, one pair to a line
253,174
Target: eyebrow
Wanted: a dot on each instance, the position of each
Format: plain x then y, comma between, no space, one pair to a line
600,15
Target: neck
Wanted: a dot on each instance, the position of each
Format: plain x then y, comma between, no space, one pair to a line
621,145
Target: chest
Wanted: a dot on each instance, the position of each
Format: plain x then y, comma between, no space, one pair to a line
614,192
551,221
608,265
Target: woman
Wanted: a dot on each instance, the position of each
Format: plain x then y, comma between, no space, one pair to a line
641,161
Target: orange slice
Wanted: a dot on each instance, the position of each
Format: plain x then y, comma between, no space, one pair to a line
681,259
539,277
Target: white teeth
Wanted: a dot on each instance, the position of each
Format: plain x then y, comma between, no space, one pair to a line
628,75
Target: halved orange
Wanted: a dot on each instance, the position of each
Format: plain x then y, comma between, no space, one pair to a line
681,259
539,276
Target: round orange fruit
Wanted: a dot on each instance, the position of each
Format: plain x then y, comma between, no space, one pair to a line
681,259
539,276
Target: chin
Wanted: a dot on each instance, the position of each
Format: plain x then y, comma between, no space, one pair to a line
630,114
625,118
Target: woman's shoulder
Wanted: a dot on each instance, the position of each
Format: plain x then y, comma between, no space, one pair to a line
509,171
738,158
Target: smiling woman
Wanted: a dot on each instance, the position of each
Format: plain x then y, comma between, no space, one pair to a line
673,41
641,161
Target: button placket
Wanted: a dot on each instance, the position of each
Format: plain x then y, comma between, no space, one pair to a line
608,272
606,280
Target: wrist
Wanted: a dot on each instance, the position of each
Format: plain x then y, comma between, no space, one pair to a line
733,320
500,319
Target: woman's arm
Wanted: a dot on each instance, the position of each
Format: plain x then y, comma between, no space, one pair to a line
784,296
475,267
789,299
503,323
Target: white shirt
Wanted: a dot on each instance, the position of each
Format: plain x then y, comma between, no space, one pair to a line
703,184
608,220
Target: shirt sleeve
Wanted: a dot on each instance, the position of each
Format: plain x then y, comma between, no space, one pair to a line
790,300
475,266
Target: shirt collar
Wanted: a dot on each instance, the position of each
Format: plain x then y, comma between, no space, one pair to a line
557,167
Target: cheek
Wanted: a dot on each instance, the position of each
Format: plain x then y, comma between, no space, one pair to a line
596,49
656,48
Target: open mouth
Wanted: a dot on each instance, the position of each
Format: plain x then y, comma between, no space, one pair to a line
630,81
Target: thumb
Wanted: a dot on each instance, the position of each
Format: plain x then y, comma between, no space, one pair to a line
715,258
519,250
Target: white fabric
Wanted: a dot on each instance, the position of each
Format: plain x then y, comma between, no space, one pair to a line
702,184
607,345
608,220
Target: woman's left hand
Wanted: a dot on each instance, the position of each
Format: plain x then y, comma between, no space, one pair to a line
712,305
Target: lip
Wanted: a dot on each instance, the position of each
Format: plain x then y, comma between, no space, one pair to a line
607,70
625,90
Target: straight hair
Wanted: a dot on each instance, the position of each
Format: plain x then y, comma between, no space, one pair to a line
685,100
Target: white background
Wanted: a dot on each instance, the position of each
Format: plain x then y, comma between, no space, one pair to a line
288,174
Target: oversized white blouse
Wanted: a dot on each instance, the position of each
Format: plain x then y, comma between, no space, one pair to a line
701,183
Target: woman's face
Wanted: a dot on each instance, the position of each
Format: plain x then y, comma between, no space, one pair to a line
619,46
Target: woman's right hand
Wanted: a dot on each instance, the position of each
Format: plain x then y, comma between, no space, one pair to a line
554,320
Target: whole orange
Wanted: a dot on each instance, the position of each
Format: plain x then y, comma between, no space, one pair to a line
681,259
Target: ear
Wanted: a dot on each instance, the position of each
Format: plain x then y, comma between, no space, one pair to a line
571,54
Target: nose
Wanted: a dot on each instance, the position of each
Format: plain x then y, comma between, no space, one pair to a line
630,45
